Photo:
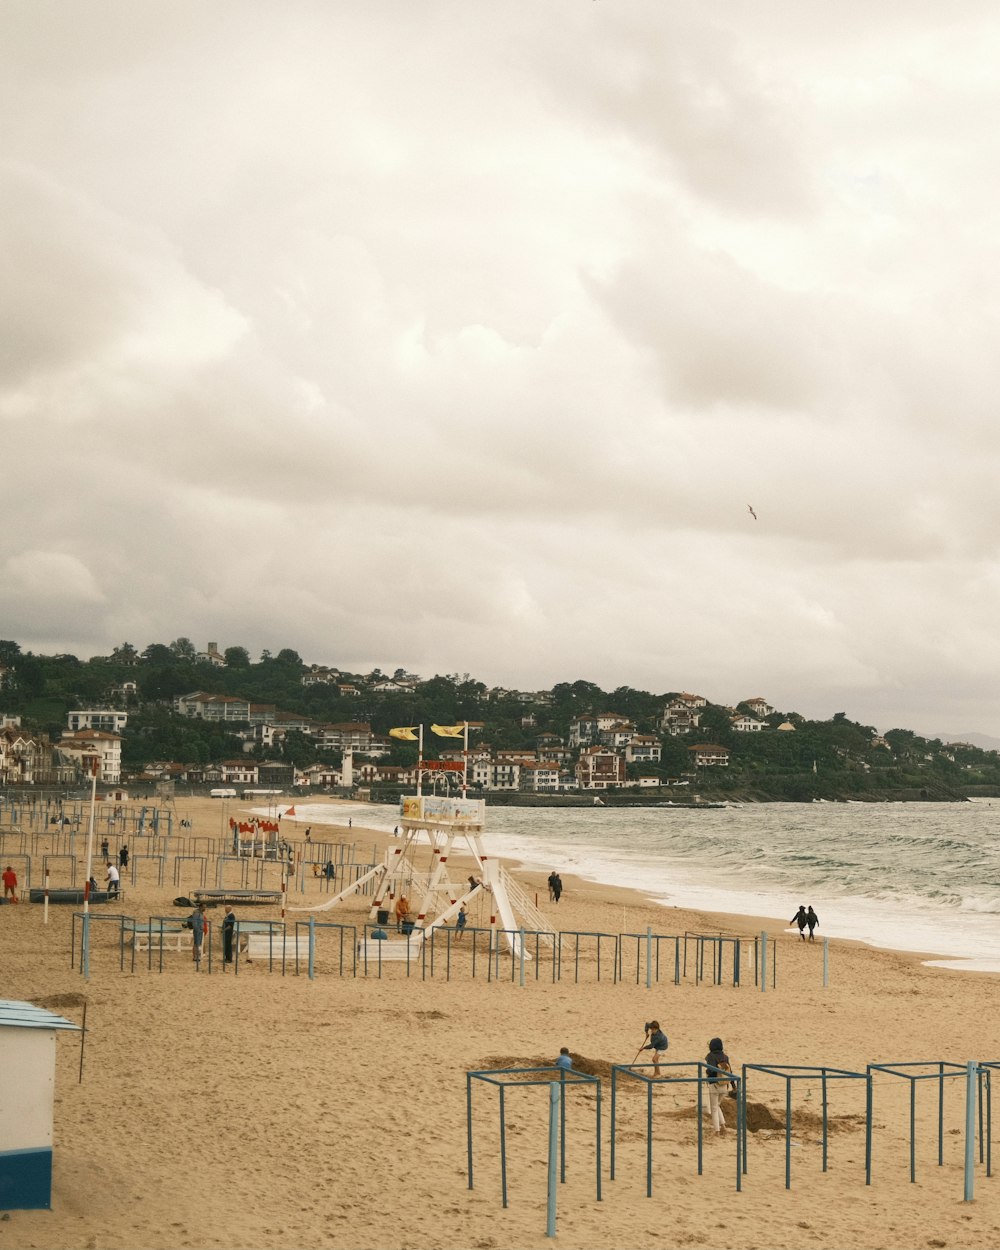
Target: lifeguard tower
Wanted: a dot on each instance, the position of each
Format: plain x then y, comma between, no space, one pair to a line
432,828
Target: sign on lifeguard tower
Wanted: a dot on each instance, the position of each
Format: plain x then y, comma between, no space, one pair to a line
429,809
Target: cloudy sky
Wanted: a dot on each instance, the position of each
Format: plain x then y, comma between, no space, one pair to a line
459,335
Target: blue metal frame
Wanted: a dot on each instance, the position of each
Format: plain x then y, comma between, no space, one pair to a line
522,1077
795,1072
942,1070
701,1077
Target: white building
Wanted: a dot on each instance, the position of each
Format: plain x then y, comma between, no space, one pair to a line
216,707
643,749
540,778
94,744
105,718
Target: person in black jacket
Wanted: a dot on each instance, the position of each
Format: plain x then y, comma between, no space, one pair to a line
812,920
228,929
801,919
717,1062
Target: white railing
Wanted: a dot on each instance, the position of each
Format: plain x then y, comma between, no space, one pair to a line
524,909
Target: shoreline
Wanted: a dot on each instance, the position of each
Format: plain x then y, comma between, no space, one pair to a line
749,923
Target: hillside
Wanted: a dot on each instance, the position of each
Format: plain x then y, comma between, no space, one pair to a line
778,755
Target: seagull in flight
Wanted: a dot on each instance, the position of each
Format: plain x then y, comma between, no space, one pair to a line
751,511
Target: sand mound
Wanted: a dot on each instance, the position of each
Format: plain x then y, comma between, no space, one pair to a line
58,1002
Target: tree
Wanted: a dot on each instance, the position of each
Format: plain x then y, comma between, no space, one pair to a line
237,657
183,649
287,656
9,653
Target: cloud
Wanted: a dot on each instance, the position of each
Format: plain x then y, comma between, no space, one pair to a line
401,336
51,576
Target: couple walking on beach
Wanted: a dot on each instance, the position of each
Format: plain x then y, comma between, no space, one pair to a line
805,918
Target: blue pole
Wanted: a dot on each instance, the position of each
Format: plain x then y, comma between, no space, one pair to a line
649,957
312,948
468,1121
85,946
614,1101
503,1149
763,961
788,1132
554,1103
970,1128
597,1140
520,980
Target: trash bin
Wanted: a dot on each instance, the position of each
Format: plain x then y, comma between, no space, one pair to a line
406,927
382,917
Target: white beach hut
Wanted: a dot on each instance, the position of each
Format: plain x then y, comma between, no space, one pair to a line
28,1065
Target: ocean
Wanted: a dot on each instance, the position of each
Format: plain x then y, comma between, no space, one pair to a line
906,876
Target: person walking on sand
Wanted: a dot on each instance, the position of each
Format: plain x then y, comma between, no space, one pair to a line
552,881
801,919
557,887
228,930
123,856
104,848
657,1042
812,920
717,1062
461,920
113,881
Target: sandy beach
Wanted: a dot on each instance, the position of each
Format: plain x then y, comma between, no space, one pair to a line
260,1110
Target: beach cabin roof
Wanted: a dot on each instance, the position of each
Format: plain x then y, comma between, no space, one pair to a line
17,1015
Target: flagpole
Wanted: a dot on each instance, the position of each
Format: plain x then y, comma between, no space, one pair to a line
465,759
420,760
85,943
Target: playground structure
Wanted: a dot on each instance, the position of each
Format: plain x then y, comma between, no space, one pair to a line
442,824
686,1084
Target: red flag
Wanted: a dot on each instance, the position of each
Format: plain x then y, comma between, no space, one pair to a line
290,811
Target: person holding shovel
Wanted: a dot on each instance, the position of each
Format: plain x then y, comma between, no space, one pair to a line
656,1041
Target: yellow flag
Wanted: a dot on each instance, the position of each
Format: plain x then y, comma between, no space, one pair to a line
405,732
449,731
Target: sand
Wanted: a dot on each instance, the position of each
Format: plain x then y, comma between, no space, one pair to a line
267,1111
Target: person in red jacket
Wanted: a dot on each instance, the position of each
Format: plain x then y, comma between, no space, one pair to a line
9,878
